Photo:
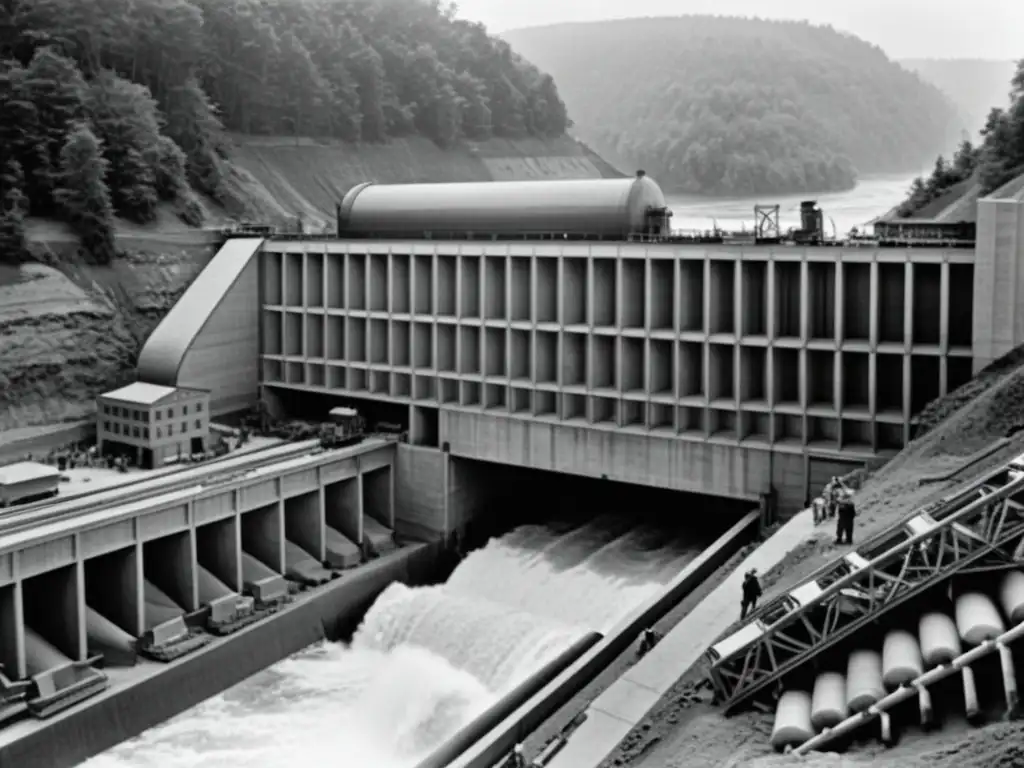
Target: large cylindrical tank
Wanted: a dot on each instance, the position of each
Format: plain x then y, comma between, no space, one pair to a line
828,704
1011,596
977,618
940,642
792,720
901,659
610,208
863,680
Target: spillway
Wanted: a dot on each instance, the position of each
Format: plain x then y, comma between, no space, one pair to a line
425,660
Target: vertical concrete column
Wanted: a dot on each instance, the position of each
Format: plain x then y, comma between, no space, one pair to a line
873,305
739,317
279,521
908,343
446,484
193,542
509,313
944,288
805,301
14,635
140,584
236,498
305,309
79,598
706,345
769,330
435,280
459,269
284,296
840,301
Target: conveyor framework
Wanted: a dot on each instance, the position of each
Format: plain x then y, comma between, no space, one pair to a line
974,529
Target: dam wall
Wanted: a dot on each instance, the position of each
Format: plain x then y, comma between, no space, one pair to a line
735,370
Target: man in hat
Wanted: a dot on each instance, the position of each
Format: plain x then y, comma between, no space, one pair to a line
751,592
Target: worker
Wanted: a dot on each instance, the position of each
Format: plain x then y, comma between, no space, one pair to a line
518,758
818,509
648,639
751,592
844,520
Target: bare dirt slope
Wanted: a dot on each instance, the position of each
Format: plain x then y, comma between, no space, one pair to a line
287,177
683,734
68,330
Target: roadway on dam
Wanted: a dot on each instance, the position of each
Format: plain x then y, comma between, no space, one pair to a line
426,660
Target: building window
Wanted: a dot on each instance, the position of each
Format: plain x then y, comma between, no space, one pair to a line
106,426
170,413
199,407
159,433
170,430
199,424
184,427
135,432
106,410
117,428
136,416
184,410
145,433
159,415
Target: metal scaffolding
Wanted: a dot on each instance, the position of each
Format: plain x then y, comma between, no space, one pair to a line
978,528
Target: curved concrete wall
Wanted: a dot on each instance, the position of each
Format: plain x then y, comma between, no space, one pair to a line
210,338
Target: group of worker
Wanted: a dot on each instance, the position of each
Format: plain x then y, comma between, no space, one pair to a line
836,501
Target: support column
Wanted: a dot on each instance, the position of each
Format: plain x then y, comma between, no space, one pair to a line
944,327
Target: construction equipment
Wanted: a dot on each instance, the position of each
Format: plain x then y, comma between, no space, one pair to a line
346,427
979,528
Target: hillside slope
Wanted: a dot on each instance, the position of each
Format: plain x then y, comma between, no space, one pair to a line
70,330
741,106
285,177
974,85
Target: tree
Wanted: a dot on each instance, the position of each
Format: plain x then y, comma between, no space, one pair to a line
13,209
124,117
53,84
83,194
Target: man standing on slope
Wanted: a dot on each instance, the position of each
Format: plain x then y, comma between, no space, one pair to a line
844,519
751,592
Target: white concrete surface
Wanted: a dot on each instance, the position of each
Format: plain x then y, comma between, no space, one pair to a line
629,699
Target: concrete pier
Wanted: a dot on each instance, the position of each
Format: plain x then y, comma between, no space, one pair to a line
94,583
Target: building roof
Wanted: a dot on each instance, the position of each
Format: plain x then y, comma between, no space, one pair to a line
599,207
26,471
140,393
164,352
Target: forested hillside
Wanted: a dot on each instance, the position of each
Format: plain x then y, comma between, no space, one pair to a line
741,106
974,85
112,107
998,159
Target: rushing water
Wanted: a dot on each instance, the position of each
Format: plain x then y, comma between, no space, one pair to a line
425,660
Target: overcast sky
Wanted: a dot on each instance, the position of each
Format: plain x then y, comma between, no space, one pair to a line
989,29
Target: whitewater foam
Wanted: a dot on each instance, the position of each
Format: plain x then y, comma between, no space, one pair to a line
425,660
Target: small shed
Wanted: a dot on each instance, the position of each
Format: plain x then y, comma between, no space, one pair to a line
26,481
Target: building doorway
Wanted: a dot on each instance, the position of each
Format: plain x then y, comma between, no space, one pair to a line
197,446
147,459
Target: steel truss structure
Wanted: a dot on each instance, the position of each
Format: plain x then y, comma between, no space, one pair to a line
975,529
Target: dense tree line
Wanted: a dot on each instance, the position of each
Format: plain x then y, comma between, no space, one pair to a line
741,106
999,157
112,106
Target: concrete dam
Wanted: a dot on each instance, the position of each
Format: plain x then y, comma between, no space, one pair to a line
598,421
